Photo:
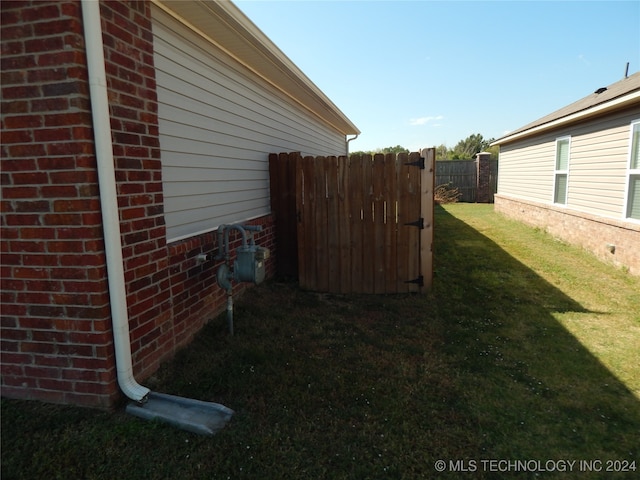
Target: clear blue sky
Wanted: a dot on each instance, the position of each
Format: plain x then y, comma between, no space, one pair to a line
425,73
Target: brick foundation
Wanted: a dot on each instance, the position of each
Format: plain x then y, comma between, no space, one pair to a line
595,234
196,296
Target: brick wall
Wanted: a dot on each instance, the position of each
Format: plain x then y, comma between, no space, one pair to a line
194,289
56,327
484,190
128,47
56,341
595,234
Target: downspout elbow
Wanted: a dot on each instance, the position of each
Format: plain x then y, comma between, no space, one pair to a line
349,140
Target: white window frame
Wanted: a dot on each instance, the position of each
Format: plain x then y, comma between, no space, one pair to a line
557,172
631,172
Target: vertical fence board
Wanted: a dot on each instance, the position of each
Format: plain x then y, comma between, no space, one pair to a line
320,225
368,247
403,233
275,187
427,185
378,222
301,199
344,224
291,232
355,222
302,203
390,224
414,214
304,209
333,227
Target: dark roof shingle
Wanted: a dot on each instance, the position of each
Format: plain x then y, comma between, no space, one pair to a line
613,91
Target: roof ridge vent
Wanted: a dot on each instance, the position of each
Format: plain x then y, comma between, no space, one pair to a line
600,90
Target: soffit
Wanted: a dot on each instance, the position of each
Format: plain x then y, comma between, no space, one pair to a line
224,25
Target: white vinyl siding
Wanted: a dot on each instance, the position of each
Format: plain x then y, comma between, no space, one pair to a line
561,173
526,170
633,183
217,124
597,172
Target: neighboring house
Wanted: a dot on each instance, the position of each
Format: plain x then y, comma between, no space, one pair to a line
576,173
194,98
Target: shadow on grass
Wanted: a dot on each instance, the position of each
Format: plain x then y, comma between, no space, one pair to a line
535,391
365,387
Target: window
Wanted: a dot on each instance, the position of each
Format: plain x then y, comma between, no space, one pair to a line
633,180
561,173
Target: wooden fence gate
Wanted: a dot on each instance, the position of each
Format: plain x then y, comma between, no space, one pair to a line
358,224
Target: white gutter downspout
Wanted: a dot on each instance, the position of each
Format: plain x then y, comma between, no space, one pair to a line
108,200
350,139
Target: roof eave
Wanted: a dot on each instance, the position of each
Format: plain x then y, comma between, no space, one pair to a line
614,104
224,25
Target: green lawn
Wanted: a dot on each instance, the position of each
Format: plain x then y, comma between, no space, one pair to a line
526,350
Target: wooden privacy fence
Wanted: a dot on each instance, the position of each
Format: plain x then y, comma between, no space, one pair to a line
358,224
460,174
463,174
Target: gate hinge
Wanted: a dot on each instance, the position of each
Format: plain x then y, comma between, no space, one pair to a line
417,163
418,223
418,281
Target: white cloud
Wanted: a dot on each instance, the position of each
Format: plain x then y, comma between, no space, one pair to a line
584,60
423,120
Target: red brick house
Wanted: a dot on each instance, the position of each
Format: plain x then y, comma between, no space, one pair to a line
195,98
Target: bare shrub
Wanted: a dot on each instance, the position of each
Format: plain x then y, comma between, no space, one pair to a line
446,193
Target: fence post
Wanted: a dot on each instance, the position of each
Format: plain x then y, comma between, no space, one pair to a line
483,168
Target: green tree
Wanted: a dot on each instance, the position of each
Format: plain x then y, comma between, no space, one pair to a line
466,149
442,152
494,151
359,152
397,149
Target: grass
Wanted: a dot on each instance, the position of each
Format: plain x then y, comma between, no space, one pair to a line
526,349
